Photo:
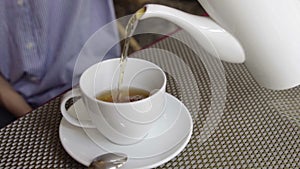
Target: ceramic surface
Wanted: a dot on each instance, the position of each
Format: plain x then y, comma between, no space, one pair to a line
264,34
126,122
168,138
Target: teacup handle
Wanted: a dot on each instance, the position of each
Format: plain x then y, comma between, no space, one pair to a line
74,121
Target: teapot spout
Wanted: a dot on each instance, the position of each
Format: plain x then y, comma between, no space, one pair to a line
213,38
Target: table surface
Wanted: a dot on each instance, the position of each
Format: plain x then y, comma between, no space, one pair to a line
237,123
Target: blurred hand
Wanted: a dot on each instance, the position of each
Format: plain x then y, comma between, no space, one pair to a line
12,100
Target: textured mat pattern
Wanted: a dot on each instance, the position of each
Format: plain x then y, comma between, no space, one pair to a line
255,128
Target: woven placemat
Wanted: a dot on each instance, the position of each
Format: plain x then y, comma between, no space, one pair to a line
253,128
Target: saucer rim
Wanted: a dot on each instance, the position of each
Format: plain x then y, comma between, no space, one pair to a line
173,152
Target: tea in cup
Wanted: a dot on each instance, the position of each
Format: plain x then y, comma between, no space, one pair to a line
123,116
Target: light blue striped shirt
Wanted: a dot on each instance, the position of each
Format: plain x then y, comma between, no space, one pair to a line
41,39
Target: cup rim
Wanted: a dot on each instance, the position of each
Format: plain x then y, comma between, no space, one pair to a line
161,89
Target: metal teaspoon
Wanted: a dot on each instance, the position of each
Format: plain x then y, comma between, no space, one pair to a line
108,161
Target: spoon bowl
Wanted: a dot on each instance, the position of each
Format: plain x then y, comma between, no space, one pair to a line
108,161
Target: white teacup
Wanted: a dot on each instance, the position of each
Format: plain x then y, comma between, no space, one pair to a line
121,123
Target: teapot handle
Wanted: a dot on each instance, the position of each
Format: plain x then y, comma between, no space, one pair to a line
213,38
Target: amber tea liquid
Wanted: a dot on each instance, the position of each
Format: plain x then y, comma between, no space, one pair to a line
130,28
123,95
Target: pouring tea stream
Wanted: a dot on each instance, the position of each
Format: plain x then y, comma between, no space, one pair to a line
236,34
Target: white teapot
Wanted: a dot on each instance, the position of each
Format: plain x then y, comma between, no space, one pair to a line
265,34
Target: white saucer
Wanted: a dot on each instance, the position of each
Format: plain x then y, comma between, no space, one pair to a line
167,139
